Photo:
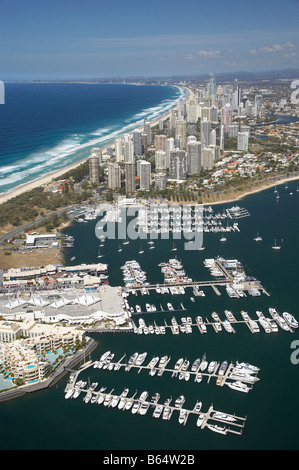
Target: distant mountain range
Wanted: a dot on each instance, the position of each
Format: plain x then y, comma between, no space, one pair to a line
228,76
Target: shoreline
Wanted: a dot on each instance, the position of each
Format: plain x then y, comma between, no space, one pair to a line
46,179
254,191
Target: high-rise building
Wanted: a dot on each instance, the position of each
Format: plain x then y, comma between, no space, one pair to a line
128,148
207,158
137,141
192,112
114,176
160,160
205,129
233,130
214,114
212,87
148,132
213,137
193,157
130,177
94,168
119,151
160,181
221,138
181,130
243,141
160,140
227,116
178,165
145,175
205,113
169,146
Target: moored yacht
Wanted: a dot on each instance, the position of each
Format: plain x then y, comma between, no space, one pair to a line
291,321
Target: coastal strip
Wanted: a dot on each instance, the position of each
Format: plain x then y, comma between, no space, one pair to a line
43,180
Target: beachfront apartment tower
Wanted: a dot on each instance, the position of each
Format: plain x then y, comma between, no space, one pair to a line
148,132
178,165
94,168
193,157
119,149
205,130
137,142
130,177
145,175
114,176
181,131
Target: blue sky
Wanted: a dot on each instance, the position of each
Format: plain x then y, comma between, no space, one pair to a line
111,38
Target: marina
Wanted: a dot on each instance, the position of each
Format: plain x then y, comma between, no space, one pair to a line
211,419
156,218
229,273
286,322
227,423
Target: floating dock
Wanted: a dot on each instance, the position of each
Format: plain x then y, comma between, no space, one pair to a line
230,423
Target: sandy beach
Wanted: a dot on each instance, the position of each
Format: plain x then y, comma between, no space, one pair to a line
44,180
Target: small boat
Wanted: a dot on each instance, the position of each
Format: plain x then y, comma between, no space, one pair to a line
258,238
219,429
275,246
158,411
183,416
200,419
174,248
179,401
291,321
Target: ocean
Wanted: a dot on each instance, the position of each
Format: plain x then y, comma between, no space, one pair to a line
48,126
45,420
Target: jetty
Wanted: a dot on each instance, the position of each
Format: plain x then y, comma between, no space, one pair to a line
211,419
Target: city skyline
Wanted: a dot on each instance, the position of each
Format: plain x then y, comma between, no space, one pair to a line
57,40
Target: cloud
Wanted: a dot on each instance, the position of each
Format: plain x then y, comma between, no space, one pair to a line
209,53
274,48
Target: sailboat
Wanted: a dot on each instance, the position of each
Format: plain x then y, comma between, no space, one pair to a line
119,248
276,247
258,238
275,190
174,248
223,239
277,195
126,242
100,256
141,250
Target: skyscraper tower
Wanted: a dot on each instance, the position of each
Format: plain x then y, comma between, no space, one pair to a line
145,175
130,177
193,157
114,178
94,168
181,130
212,88
227,116
205,129
137,142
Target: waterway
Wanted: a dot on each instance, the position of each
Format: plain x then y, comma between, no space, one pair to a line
45,420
